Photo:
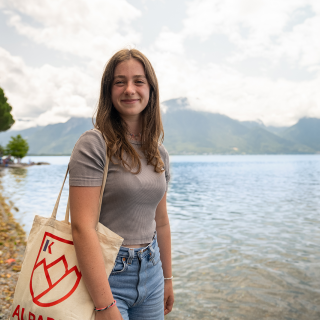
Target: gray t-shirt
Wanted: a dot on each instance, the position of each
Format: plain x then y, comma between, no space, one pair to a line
129,200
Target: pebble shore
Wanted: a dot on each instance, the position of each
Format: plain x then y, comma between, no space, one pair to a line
12,247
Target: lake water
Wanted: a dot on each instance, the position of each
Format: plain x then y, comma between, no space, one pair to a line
245,231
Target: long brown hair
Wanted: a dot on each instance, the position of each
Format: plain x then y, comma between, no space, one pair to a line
110,123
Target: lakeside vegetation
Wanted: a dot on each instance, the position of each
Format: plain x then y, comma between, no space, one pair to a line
6,119
12,247
16,147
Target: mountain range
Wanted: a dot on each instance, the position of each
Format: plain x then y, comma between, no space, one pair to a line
188,132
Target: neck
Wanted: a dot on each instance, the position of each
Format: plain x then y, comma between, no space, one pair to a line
134,126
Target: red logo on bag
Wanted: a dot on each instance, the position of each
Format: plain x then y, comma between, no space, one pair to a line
51,276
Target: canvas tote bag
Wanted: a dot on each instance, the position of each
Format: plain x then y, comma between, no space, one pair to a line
50,285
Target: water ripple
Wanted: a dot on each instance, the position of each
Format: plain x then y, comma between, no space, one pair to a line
245,232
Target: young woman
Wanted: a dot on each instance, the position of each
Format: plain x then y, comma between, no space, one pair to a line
134,199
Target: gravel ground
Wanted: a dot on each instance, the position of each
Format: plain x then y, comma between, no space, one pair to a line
12,247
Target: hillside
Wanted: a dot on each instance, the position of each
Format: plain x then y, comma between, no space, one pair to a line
57,139
189,132
306,131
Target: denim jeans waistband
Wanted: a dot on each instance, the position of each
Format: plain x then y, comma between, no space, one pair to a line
138,252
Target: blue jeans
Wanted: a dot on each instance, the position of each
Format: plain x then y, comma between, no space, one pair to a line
137,283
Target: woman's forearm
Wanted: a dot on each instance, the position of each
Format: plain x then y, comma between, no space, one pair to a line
164,242
92,267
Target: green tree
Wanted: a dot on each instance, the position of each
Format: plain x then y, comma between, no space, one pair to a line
17,147
6,119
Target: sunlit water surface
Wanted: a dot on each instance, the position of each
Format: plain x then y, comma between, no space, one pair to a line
245,231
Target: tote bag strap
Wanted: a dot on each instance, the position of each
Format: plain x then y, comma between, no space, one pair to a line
55,209
104,179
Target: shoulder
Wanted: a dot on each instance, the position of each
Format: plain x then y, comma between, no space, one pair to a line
164,153
87,160
90,148
91,139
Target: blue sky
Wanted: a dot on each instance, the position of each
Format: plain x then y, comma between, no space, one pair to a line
248,59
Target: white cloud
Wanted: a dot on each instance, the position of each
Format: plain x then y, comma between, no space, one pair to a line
96,29
223,90
257,27
262,17
87,28
304,42
47,94
169,41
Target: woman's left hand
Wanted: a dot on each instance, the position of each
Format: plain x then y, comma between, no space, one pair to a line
168,296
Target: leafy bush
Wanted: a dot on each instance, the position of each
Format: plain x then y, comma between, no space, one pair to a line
17,147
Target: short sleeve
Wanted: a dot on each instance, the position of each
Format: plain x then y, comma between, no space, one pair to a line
165,158
88,159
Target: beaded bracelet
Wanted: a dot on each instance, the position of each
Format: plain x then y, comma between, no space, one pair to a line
108,307
168,278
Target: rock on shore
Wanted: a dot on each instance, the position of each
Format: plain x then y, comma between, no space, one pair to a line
12,247
23,165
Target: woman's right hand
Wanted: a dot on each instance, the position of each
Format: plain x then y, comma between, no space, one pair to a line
109,314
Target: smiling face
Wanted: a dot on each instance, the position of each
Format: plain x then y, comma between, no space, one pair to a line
130,89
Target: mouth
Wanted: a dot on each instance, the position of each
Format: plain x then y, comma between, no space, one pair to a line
130,100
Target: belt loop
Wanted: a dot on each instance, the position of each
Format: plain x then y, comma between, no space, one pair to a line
131,255
152,251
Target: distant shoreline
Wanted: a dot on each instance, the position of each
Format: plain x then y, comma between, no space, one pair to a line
188,132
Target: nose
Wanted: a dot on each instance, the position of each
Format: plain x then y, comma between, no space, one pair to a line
130,89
